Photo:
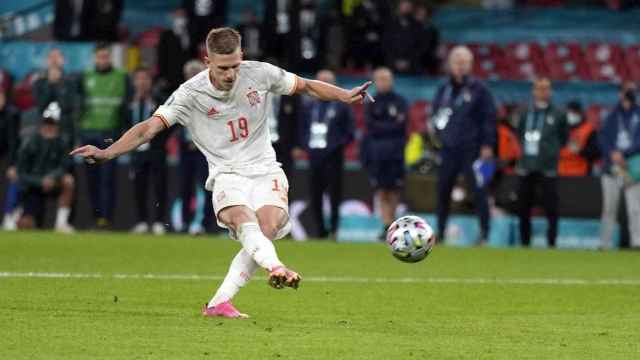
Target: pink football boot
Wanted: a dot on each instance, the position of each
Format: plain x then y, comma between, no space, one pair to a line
225,309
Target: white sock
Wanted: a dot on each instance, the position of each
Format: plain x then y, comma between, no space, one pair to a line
240,271
258,246
62,216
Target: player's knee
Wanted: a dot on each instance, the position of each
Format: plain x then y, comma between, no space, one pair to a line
270,227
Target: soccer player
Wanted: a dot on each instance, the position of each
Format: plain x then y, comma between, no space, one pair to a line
225,109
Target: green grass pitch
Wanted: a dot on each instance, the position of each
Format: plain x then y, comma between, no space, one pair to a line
87,297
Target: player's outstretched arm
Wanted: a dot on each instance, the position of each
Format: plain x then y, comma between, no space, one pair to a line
324,91
139,134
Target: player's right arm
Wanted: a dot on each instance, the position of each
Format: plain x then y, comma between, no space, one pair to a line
140,134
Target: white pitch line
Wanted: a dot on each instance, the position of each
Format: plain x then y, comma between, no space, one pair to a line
330,279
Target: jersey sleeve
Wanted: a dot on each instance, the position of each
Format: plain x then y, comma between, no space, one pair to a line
280,81
177,108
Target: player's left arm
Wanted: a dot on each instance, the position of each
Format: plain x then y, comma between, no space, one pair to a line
327,92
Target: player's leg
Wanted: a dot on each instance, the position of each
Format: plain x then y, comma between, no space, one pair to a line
550,204
526,192
65,200
610,203
33,203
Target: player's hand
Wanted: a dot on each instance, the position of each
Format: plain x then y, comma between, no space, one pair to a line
358,94
91,154
47,184
12,174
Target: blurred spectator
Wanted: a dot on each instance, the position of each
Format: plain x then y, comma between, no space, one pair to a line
41,172
543,132
149,161
382,149
464,121
250,30
173,51
194,170
283,127
106,19
429,39
619,140
402,43
282,30
105,92
582,149
509,150
366,28
73,20
9,144
54,86
326,128
6,81
204,15
80,20
309,50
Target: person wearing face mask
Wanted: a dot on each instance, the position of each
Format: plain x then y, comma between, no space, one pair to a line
542,131
105,90
173,51
577,157
619,139
463,119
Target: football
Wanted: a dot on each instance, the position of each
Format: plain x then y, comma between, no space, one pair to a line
410,239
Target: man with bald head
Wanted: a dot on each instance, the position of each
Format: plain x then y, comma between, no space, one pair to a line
464,120
542,132
382,152
326,128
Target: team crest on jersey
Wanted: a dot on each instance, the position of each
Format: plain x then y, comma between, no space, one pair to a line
212,111
253,97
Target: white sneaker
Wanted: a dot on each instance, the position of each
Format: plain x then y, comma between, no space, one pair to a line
196,230
64,229
158,229
140,228
8,223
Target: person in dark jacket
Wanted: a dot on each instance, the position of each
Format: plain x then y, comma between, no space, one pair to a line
402,47
9,144
54,86
149,161
464,121
326,128
203,16
619,140
173,51
542,131
382,150
42,164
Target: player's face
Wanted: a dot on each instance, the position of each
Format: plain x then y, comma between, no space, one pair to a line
49,131
224,68
55,58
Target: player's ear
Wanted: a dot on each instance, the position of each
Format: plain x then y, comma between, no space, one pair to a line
206,60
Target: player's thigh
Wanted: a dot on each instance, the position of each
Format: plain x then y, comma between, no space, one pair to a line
231,197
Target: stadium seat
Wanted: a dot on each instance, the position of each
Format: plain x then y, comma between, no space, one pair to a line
418,116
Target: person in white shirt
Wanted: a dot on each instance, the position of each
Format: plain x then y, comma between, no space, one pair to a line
225,108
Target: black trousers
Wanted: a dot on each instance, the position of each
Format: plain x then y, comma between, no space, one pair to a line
526,193
455,162
193,174
151,169
101,180
326,175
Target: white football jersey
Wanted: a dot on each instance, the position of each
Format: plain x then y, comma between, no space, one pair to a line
230,127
